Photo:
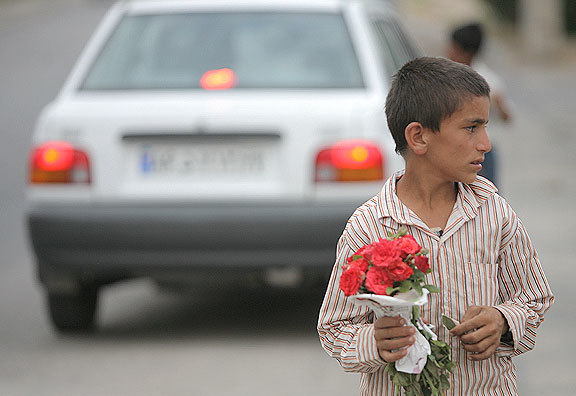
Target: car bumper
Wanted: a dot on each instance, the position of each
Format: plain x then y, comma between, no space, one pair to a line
126,241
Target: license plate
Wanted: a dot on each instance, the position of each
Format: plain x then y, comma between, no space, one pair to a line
200,160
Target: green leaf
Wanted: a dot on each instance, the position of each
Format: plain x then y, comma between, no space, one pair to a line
405,286
432,288
415,313
433,369
445,382
428,377
448,322
389,369
418,288
391,290
402,379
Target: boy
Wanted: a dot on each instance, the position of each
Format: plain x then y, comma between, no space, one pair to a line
481,257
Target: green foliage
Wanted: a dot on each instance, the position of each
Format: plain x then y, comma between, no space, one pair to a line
400,233
448,322
434,378
431,288
415,313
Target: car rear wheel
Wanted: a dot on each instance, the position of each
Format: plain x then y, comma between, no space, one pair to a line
73,312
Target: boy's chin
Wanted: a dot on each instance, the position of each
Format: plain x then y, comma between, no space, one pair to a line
468,179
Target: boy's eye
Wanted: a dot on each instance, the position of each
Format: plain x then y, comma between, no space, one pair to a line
471,128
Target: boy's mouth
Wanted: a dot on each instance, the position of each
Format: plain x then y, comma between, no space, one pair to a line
478,164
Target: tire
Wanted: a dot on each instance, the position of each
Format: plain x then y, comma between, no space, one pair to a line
71,313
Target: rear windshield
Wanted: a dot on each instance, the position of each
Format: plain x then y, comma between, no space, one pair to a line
227,51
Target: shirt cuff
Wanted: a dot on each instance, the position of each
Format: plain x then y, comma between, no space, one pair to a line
515,317
366,348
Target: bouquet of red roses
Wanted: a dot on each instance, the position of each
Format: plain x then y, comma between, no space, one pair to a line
388,276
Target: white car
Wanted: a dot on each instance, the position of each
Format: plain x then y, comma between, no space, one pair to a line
211,140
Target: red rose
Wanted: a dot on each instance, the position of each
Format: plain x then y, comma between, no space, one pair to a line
384,253
421,263
378,280
407,245
399,271
361,263
364,251
351,280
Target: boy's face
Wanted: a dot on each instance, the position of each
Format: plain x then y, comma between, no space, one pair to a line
457,150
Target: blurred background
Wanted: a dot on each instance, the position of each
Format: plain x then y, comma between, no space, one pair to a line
266,343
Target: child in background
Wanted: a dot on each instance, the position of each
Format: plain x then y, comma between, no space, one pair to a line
465,45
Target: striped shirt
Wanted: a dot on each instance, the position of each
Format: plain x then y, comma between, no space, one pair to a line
483,257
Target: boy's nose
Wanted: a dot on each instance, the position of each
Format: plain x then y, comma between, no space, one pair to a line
484,144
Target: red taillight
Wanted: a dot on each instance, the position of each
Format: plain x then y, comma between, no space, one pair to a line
59,162
350,160
218,79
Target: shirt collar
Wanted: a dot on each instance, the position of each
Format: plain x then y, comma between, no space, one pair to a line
470,198
474,195
388,203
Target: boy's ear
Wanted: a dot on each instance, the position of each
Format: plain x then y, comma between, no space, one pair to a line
415,138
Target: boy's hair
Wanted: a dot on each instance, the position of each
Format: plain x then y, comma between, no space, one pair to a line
428,90
469,37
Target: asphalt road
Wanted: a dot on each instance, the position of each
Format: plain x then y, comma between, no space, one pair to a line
265,342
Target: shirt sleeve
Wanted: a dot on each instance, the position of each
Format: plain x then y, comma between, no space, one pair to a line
346,331
524,289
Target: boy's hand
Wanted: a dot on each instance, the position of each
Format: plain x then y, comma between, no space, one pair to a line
392,337
480,331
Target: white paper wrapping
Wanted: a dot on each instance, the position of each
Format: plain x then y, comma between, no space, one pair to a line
401,304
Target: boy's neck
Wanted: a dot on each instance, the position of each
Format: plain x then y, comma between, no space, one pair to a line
431,198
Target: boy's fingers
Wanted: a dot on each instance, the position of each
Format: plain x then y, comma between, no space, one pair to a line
479,347
464,327
472,320
471,312
482,322
483,355
390,356
393,337
395,343
474,337
478,334
393,332
389,321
